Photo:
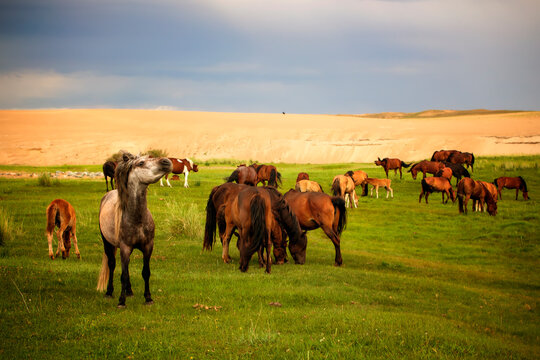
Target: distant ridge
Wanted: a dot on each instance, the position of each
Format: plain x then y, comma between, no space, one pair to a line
434,113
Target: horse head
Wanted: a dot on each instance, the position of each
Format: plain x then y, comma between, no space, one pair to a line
298,249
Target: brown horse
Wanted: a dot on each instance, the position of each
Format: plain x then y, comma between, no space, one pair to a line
315,210
376,183
61,214
392,164
358,177
442,155
181,166
251,213
431,167
343,186
471,189
244,175
308,185
126,223
267,173
462,158
437,184
517,183
445,172
302,176
108,172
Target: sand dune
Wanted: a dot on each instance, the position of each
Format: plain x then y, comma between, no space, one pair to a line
55,137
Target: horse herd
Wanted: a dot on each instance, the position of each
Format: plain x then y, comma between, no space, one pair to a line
259,216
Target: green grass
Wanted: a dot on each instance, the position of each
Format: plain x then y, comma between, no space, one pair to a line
418,281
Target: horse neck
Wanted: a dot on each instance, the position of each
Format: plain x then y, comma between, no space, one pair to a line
134,204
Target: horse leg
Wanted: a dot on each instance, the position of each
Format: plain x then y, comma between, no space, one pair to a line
377,191
110,251
467,197
420,197
185,179
427,195
125,252
112,182
77,252
225,239
50,240
335,240
391,192
517,193
106,183
355,198
386,171
147,253
60,235
400,173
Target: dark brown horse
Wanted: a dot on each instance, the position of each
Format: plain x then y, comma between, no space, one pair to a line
244,175
437,184
458,171
61,214
471,189
442,155
431,167
392,164
267,173
302,176
126,223
108,172
517,183
181,166
315,210
462,158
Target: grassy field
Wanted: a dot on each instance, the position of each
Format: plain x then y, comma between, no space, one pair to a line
418,281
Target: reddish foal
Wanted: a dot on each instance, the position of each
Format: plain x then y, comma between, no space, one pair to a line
61,214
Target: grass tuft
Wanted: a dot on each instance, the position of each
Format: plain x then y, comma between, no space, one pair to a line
8,228
185,220
46,180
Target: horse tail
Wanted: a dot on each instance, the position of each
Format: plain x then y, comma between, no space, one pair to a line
465,172
411,167
52,212
524,184
472,161
495,182
273,176
278,177
335,187
433,156
339,205
349,173
258,222
103,278
425,186
210,227
405,165
233,177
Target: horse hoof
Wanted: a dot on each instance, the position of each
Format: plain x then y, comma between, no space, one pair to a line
79,256
108,296
130,294
149,302
121,306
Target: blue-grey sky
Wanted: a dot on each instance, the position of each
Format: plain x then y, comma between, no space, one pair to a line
297,56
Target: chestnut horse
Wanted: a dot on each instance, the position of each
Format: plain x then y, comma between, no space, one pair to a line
517,183
308,185
376,183
431,167
267,173
181,166
392,164
462,158
471,189
343,186
442,155
108,172
302,176
437,184
126,223
244,175
358,177
315,210
61,214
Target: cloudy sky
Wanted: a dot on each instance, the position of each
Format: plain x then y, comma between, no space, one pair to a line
297,56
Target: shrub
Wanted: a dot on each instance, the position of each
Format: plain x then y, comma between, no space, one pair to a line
156,153
8,229
184,220
116,157
45,180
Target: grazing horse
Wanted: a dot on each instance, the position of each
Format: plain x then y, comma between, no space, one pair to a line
308,185
267,173
343,186
517,183
462,158
181,166
358,177
126,223
244,175
376,183
458,171
437,184
223,194
471,189
431,167
442,155
302,176
445,172
314,210
108,172
251,213
392,164
61,214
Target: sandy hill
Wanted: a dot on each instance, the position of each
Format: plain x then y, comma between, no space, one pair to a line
55,137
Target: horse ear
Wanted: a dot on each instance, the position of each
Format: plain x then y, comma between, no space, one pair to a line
127,156
379,158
